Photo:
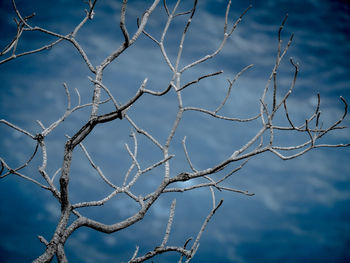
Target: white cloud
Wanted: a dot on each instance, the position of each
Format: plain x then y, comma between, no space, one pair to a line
325,193
54,210
268,196
110,240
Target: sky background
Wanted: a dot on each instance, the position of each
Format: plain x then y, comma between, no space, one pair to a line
300,211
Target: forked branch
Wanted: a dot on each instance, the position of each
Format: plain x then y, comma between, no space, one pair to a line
214,178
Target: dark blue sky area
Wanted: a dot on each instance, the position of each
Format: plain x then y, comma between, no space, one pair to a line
301,208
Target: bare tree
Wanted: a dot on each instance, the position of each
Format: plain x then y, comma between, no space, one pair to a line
263,141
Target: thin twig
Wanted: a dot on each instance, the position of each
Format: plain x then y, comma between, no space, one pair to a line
206,221
187,156
170,222
17,128
198,79
230,86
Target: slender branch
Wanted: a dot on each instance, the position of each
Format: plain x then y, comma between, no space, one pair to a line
170,222
212,113
106,90
19,14
206,221
200,78
99,202
230,87
158,93
122,23
158,251
29,179
132,40
135,253
17,128
20,167
187,156
104,178
166,7
226,36
205,185
184,34
133,135
145,133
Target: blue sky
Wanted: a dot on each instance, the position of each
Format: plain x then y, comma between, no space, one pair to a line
300,211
